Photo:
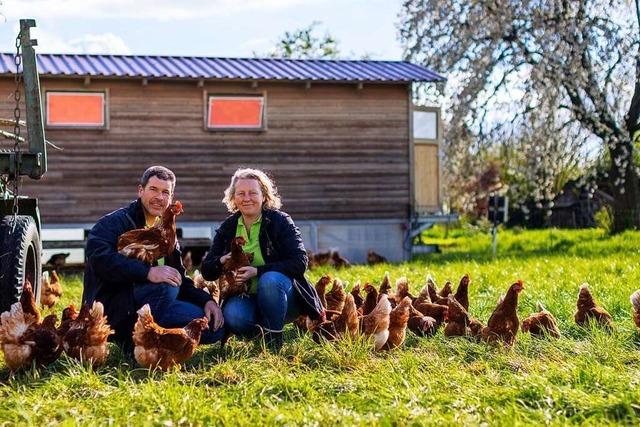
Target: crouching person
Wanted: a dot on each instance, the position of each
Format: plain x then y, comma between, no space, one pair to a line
277,290
123,285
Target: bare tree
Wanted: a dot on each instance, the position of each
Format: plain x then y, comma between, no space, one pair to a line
568,70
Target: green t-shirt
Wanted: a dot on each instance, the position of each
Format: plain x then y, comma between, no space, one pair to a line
252,246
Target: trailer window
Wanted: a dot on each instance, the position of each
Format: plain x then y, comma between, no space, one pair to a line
65,109
235,113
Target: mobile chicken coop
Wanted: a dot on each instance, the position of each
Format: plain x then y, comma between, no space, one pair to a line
336,136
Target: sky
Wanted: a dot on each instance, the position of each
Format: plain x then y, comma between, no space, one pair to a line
222,28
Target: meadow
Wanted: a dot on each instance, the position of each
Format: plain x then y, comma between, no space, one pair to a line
587,377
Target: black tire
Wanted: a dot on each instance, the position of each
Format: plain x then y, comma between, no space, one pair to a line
20,252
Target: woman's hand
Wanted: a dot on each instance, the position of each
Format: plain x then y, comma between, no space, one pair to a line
245,273
225,258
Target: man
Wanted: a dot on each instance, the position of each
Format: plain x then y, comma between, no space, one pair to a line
123,284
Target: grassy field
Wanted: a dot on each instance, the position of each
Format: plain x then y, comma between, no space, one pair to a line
586,377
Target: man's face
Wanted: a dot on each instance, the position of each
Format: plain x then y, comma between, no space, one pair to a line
156,195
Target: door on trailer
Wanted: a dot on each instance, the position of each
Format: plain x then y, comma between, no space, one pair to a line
426,154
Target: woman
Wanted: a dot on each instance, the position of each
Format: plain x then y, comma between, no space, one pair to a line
278,290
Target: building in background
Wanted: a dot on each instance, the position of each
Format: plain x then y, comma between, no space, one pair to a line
336,136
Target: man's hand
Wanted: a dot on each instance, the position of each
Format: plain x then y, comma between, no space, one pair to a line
245,273
225,258
164,274
214,314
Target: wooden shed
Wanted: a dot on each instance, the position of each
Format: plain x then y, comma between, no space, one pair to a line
336,136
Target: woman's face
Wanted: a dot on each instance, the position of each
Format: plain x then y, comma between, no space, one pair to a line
248,197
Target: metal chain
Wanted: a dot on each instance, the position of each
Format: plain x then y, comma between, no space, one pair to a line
16,129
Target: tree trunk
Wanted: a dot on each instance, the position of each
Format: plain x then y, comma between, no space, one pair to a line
626,212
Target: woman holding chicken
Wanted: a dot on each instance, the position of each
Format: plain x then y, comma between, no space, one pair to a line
277,291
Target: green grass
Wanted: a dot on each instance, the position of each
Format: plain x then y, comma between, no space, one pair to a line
587,377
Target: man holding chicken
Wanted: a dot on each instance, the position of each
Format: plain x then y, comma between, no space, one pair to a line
124,284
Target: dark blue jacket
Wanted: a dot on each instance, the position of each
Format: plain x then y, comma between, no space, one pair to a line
282,249
109,276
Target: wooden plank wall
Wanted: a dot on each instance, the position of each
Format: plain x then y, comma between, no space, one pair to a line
335,152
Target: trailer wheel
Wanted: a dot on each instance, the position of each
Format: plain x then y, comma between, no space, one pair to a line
20,252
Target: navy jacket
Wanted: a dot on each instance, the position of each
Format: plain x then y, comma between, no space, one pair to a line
109,276
282,249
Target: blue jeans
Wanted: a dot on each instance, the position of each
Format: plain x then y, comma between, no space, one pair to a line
271,307
170,312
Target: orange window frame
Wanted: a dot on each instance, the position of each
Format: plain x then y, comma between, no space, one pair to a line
76,109
235,112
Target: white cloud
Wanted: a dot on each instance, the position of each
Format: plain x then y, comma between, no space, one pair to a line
105,43
159,10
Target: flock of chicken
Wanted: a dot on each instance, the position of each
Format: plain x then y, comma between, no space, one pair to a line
382,315
385,315
26,337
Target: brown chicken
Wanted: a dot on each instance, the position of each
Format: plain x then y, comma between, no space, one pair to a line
320,258
402,290
338,261
374,258
321,288
435,296
343,325
588,310
51,289
28,302
86,339
462,293
18,351
47,345
541,323
371,300
457,319
503,324
357,296
446,290
335,299
25,337
437,311
420,324
238,259
635,303
385,285
432,288
210,286
376,323
398,320
347,322
69,314
385,288
150,244
423,295
156,346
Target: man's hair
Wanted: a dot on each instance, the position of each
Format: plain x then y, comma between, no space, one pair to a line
159,172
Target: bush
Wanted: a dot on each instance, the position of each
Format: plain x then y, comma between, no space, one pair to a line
604,219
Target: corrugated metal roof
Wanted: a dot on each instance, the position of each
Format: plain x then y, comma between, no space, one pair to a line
195,67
